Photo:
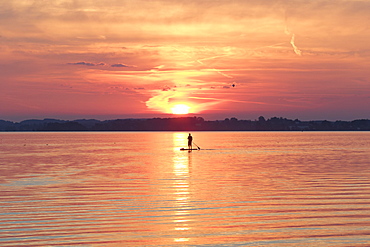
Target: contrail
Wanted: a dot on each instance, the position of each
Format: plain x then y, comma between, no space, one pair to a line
230,100
223,74
200,61
295,48
214,69
288,32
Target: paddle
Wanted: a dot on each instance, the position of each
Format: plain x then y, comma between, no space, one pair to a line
197,146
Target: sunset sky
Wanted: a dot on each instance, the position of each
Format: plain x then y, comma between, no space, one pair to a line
108,59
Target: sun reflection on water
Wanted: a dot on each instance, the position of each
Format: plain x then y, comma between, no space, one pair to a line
181,239
181,170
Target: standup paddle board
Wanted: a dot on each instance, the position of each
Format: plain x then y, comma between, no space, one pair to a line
183,149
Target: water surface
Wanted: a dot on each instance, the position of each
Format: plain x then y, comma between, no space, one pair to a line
139,189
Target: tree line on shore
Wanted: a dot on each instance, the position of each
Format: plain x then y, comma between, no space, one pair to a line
185,124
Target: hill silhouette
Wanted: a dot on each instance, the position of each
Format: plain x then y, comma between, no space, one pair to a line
184,124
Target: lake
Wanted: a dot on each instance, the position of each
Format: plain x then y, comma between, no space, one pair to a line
139,189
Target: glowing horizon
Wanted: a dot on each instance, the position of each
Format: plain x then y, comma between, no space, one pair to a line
96,59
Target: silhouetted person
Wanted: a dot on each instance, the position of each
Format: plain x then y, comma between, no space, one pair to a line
190,140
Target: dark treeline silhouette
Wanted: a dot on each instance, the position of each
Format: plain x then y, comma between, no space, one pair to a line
185,124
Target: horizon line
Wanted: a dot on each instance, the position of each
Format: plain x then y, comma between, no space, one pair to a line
180,116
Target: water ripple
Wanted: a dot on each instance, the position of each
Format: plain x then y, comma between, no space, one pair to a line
266,195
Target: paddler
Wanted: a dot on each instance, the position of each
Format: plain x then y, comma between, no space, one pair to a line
190,140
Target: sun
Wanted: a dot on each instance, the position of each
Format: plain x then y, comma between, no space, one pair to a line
180,109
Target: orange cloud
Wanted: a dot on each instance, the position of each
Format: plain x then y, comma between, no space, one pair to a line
150,54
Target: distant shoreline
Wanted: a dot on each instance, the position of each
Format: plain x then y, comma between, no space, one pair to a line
184,124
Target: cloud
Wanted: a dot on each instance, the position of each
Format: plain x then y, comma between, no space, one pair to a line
217,43
87,64
116,65
160,102
120,65
167,88
163,101
96,37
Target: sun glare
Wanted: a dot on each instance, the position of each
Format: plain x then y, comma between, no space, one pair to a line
180,109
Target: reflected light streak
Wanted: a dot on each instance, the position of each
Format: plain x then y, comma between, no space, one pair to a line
179,141
181,170
181,239
182,229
